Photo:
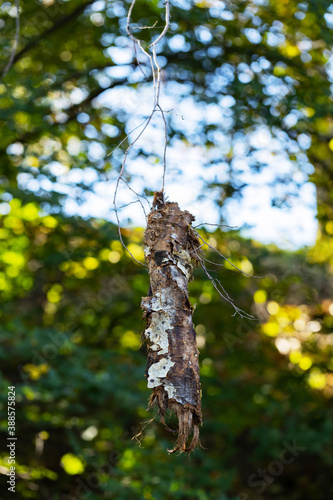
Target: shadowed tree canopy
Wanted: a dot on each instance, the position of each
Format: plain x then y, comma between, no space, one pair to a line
264,63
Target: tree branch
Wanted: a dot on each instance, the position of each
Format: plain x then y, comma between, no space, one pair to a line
58,24
72,113
16,42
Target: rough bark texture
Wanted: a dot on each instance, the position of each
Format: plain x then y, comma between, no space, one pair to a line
173,365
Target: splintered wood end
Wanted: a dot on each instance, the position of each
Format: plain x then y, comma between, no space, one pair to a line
189,420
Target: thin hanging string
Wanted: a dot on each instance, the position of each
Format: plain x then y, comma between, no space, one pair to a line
156,75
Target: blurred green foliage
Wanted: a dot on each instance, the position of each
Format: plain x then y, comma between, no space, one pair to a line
70,296
70,343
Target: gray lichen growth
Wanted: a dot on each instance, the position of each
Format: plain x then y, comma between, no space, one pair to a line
157,332
159,371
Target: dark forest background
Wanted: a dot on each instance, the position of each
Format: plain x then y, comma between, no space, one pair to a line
70,296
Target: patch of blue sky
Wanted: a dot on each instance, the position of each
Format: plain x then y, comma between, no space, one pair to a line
191,166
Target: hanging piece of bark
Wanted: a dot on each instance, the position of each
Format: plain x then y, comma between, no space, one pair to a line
172,365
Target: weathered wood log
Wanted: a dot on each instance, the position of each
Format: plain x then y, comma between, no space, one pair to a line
173,365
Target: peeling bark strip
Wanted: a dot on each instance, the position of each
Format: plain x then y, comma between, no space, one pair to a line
172,366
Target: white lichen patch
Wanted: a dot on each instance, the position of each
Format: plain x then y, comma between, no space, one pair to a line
157,332
184,263
160,302
159,371
146,251
163,301
157,302
184,270
170,389
179,278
